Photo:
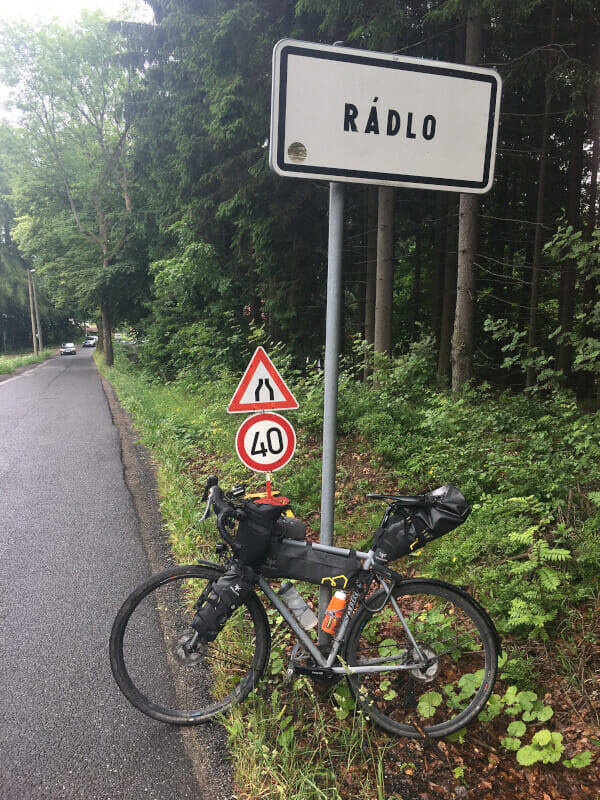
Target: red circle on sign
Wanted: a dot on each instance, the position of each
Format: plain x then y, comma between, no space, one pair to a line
265,442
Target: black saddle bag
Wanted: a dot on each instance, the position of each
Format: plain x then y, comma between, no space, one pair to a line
410,528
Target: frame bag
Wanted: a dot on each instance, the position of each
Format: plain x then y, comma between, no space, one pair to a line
409,528
301,561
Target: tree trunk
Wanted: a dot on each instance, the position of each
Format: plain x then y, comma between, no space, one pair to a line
590,286
416,290
37,316
371,279
539,214
449,297
437,279
107,334
464,320
100,344
385,271
370,273
566,310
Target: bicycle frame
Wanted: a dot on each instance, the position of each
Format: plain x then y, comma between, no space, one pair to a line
327,661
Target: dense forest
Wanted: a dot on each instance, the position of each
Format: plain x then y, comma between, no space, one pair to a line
134,177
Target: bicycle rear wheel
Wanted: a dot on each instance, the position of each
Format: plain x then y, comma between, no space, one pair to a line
156,674
449,665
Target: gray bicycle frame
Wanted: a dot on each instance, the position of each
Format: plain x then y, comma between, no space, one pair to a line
327,662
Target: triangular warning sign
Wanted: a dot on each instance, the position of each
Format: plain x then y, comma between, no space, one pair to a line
262,388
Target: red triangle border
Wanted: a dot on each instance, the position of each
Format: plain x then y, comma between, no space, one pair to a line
288,402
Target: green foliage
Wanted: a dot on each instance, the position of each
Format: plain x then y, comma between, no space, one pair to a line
545,746
71,185
9,364
291,746
520,463
179,345
579,761
514,547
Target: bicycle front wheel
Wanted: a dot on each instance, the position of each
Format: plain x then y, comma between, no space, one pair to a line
153,669
433,666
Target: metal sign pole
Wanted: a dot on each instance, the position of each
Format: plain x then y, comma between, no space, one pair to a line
332,349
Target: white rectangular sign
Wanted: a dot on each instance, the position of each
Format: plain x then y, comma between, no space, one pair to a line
341,114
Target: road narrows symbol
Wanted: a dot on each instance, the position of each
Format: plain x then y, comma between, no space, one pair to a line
266,383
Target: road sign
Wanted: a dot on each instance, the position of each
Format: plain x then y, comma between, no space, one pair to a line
262,388
265,442
341,114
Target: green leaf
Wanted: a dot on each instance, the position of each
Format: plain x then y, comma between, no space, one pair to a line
528,755
428,703
457,736
542,737
545,713
510,695
516,728
579,761
511,743
526,700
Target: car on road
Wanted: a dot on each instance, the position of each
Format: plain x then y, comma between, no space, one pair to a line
68,349
90,341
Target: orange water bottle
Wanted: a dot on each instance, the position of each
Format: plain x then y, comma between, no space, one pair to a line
334,613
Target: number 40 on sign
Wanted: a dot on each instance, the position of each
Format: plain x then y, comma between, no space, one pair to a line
265,442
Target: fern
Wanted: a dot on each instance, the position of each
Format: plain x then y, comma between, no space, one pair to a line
549,579
594,498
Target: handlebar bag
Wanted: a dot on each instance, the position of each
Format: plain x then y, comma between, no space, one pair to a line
220,599
253,535
301,561
409,528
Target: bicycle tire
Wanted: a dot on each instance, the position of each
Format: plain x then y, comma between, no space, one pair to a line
153,671
459,642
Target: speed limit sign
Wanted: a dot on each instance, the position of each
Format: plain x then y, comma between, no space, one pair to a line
265,442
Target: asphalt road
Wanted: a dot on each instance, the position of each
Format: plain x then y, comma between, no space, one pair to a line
70,552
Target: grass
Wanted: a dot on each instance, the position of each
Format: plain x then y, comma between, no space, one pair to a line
10,363
277,756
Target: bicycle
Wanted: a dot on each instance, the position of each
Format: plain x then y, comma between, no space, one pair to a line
420,655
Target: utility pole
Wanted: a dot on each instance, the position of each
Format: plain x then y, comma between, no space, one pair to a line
35,348
37,312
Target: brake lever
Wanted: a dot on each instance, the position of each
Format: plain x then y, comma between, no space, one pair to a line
208,497
211,481
207,511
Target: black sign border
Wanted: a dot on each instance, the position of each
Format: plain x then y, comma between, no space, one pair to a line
299,170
